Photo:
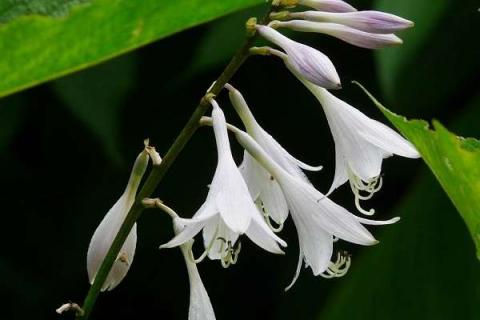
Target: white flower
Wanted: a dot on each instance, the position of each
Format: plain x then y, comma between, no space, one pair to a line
328,5
107,230
368,21
263,187
229,210
200,306
318,219
311,63
350,35
361,144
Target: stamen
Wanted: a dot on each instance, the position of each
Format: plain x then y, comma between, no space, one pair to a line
229,256
266,217
339,268
207,249
369,187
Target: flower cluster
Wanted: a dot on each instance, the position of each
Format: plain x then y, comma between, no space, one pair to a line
256,197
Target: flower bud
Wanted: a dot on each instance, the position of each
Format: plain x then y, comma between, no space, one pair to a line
368,21
308,62
328,5
107,230
350,35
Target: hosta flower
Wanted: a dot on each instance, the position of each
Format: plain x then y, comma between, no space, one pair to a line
200,305
107,230
328,5
263,187
350,35
361,144
368,21
229,210
311,63
319,221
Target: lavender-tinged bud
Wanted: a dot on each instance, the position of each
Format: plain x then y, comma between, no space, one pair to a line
328,5
350,35
368,21
308,62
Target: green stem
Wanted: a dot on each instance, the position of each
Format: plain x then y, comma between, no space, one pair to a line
158,173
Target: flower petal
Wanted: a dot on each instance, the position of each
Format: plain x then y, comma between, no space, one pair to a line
369,20
350,35
310,63
186,234
328,5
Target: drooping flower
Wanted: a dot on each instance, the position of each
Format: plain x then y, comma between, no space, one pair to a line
229,210
200,306
350,35
107,230
369,21
263,187
311,63
319,221
361,144
328,5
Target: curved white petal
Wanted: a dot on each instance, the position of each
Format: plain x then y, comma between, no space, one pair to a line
304,200
378,222
264,186
233,200
186,234
110,225
350,35
368,20
389,140
328,5
200,306
264,240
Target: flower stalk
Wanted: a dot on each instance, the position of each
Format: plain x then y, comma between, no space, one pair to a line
158,172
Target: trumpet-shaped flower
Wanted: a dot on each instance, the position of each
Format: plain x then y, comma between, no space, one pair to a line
368,21
350,35
200,305
318,219
361,144
311,63
328,5
229,210
263,187
107,230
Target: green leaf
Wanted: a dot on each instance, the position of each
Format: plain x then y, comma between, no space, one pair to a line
96,96
39,45
454,160
11,9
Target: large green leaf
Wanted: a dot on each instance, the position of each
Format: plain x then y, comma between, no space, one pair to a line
46,40
454,160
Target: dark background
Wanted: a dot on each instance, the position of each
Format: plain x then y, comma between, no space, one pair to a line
66,149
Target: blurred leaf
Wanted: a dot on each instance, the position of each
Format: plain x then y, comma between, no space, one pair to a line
429,60
420,270
454,160
12,110
10,9
39,48
96,96
216,45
